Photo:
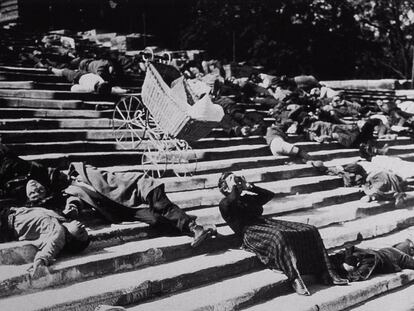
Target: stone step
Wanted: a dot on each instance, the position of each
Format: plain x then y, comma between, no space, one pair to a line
248,289
236,164
110,158
56,135
55,123
100,159
123,288
37,123
130,286
30,148
294,186
288,204
13,113
133,158
28,76
24,69
62,86
400,299
94,263
47,94
48,147
18,102
348,211
12,136
340,298
16,84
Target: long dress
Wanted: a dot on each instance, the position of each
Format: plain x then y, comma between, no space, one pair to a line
294,248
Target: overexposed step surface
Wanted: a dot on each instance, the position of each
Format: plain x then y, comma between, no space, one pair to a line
109,288
223,295
399,300
336,298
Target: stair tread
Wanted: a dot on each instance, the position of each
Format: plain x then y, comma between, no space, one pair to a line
400,300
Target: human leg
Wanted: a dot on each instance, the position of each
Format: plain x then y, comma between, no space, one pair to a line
162,212
279,146
310,253
403,260
57,72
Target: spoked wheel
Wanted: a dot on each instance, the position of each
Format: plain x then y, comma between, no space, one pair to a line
154,162
130,121
182,158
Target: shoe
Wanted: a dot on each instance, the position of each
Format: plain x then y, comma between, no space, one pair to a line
336,280
332,279
300,287
200,233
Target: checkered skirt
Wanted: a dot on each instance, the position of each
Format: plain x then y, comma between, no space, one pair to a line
294,248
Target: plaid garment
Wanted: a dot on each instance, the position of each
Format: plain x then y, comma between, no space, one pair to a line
294,248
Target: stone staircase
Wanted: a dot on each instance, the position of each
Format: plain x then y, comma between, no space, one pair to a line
134,266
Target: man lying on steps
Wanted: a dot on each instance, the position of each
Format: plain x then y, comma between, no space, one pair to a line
359,264
51,233
116,197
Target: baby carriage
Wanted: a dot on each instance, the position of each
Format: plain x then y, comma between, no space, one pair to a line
160,125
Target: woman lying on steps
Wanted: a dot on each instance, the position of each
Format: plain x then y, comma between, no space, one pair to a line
292,247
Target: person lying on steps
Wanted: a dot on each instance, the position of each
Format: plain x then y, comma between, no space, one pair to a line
50,232
116,197
292,247
359,264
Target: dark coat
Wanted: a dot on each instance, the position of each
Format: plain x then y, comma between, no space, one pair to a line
111,194
15,172
368,262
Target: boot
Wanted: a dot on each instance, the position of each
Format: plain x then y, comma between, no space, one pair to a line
327,278
200,233
300,287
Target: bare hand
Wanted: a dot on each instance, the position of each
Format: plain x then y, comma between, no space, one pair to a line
38,269
245,184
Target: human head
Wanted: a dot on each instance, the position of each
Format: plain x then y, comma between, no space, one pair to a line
103,88
344,261
245,130
35,191
222,183
227,180
77,238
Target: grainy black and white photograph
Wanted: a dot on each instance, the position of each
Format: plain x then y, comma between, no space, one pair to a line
206,155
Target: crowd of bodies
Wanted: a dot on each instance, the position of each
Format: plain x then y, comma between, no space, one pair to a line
52,202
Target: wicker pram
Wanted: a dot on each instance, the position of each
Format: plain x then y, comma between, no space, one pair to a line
170,114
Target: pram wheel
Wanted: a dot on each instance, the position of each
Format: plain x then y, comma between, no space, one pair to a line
130,121
183,158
